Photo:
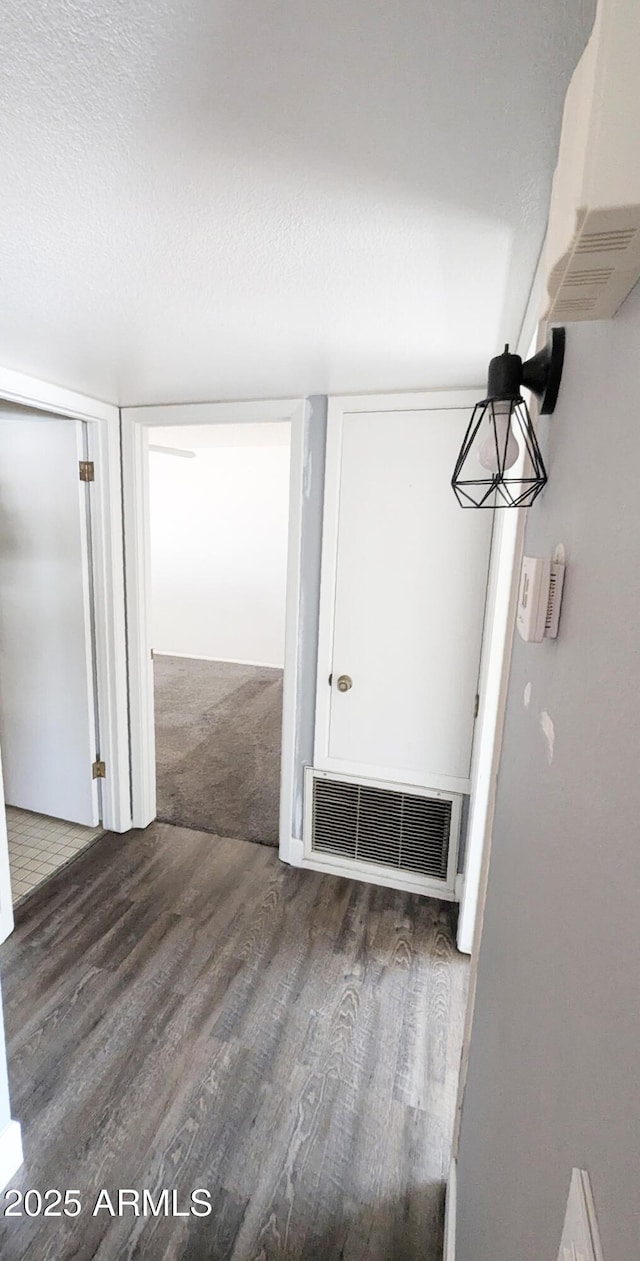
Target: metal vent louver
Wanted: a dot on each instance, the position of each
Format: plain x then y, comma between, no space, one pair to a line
382,826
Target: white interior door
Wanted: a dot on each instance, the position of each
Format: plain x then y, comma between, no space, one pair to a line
47,705
405,591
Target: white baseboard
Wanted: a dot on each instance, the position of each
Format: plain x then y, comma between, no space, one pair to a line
295,854
385,877
11,1156
225,661
450,1211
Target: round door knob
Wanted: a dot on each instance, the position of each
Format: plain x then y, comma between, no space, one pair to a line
344,683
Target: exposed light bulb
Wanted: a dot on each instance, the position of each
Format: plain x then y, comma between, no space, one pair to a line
499,448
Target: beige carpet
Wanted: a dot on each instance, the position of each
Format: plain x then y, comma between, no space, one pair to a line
218,747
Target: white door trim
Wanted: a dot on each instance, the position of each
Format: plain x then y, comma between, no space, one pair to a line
11,1154
339,407
451,1213
108,578
7,923
507,549
136,421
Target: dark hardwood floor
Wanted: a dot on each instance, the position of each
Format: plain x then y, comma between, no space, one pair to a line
181,1015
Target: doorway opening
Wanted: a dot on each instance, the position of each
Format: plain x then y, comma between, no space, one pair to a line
218,535
48,692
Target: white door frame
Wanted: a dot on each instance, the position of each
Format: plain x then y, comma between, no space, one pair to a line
108,578
432,400
499,628
500,621
136,421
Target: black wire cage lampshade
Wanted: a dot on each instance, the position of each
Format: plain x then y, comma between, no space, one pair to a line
500,464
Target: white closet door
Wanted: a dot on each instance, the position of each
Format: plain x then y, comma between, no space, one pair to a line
47,707
405,590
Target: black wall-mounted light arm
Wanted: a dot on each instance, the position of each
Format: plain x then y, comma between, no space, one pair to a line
500,436
541,374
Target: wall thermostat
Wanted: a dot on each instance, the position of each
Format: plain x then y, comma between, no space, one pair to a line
539,599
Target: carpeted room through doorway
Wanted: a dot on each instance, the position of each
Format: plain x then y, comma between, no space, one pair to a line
218,741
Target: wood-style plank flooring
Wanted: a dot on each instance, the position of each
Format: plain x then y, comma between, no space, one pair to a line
185,1014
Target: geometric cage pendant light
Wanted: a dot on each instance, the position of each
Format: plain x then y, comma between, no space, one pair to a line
500,464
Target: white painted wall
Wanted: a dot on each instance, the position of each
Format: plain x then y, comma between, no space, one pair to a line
553,1067
219,541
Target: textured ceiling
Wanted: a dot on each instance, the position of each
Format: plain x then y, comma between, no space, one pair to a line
209,199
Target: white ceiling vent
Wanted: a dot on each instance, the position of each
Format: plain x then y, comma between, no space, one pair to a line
378,828
593,241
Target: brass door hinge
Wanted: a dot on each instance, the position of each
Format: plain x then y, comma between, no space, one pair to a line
99,770
87,471
476,706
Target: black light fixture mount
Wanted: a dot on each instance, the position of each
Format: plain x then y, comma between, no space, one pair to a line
500,436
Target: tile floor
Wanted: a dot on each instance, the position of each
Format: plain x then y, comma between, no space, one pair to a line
39,845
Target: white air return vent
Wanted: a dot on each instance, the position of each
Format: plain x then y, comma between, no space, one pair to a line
593,241
386,833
